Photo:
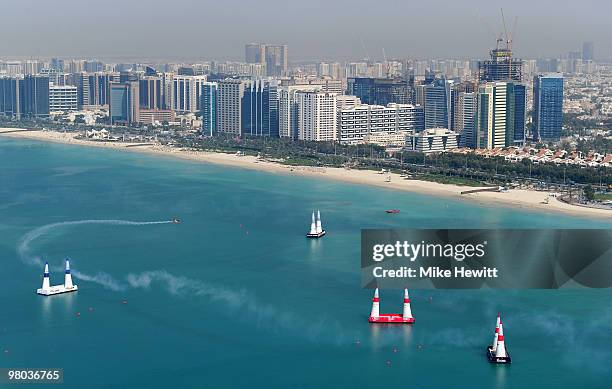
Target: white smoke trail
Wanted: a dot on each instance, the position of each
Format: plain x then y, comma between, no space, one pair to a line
101,278
263,315
104,279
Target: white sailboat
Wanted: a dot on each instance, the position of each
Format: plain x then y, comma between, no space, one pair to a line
316,228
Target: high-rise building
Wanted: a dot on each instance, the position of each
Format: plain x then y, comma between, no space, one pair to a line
247,107
209,108
275,57
547,107
12,68
11,103
63,98
57,64
492,115
316,115
255,53
437,103
35,96
277,60
93,88
32,67
124,107
187,93
24,97
75,66
501,67
167,80
517,94
379,91
588,51
93,66
456,90
288,108
501,109
151,92
229,101
255,107
465,119
273,89
358,122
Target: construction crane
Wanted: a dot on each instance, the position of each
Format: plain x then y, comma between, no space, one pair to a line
509,39
509,36
386,63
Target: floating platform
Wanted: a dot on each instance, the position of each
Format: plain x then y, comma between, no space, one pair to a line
315,235
49,290
395,318
493,359
57,289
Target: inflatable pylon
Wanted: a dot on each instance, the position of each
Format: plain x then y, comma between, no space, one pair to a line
68,277
375,313
46,285
500,351
494,345
403,318
407,314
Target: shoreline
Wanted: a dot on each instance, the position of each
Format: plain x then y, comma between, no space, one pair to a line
516,198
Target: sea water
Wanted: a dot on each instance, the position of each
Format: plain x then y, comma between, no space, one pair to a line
236,296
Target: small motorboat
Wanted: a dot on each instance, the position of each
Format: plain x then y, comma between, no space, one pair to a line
176,220
392,211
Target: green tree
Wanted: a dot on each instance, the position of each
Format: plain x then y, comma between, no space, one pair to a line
589,193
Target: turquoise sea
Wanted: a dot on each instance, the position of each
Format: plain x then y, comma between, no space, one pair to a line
235,296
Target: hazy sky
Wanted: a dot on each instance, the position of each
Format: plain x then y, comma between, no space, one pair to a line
313,29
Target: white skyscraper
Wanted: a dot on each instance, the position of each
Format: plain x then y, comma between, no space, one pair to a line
316,115
63,98
288,109
229,106
492,106
374,123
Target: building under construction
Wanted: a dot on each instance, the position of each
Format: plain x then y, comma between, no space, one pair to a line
501,67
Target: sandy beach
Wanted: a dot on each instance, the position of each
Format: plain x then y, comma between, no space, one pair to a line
519,198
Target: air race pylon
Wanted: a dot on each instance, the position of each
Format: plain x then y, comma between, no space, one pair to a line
375,313
50,290
494,344
403,318
498,353
407,314
46,285
500,350
68,277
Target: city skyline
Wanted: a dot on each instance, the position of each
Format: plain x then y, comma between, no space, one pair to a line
342,33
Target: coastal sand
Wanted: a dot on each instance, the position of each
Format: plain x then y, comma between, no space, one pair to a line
521,198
